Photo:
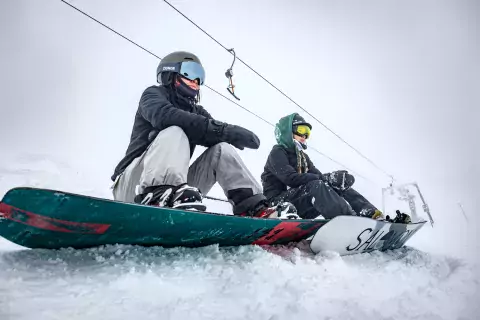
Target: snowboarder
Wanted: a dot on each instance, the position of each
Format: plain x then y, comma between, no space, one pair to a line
168,125
289,175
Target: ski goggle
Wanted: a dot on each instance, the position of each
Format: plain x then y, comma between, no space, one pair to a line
188,69
302,130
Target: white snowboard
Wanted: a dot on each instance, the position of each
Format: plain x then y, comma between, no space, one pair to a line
351,234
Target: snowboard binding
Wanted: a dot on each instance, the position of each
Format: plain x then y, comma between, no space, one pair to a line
286,210
180,197
282,210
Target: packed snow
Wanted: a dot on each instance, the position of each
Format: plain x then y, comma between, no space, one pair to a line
124,282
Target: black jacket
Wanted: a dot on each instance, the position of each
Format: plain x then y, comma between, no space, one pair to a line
280,171
159,108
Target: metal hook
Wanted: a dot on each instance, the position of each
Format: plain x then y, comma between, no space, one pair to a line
229,75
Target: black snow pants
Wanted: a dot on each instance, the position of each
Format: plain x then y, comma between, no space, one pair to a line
318,198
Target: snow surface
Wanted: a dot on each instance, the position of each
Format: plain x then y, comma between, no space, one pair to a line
126,282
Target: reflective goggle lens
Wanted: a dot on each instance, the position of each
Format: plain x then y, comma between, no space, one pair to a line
303,130
192,71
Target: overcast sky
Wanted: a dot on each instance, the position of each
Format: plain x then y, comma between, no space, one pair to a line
399,80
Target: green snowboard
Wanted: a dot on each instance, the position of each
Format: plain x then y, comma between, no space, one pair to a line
40,218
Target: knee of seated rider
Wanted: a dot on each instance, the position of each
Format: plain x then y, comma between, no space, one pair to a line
224,148
174,134
315,184
174,130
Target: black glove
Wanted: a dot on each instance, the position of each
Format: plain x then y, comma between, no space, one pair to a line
237,136
340,180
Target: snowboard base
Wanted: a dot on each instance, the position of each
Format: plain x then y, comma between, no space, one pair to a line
351,235
50,219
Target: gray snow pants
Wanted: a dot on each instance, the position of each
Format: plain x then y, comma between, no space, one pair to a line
166,162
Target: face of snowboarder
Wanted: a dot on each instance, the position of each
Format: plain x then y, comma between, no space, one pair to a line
301,139
193,71
193,84
301,133
186,87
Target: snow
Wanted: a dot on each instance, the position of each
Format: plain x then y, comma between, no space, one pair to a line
220,283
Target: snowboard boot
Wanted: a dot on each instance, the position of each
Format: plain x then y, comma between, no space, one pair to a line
378,215
180,197
402,218
283,210
372,213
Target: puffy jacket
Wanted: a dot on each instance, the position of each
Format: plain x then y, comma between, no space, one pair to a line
159,108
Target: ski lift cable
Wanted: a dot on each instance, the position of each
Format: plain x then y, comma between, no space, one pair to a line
271,124
281,92
213,90
117,33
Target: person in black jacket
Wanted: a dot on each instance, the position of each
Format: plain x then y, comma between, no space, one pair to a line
168,124
289,175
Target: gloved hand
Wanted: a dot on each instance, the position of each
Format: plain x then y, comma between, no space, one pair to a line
237,136
340,180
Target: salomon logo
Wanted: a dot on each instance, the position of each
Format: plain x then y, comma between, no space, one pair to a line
168,68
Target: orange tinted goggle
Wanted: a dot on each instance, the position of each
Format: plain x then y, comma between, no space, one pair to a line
302,130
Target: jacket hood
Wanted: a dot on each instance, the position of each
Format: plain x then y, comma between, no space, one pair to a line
283,131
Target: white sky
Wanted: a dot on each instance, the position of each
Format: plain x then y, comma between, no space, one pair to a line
399,80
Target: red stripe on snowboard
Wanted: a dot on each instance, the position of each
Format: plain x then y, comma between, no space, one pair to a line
47,223
286,230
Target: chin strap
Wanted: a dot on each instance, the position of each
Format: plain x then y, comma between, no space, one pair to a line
229,75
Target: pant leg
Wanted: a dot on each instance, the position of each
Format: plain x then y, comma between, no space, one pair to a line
165,161
124,188
221,163
316,198
358,202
